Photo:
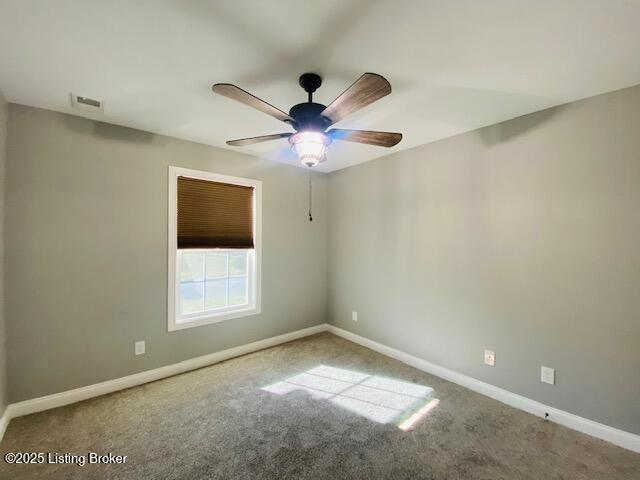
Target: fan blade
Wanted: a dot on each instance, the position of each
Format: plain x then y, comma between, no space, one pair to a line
380,139
251,140
367,89
242,96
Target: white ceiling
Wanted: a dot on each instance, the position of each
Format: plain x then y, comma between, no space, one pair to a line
454,65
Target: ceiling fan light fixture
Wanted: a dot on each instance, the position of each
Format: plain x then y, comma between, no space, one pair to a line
310,119
310,147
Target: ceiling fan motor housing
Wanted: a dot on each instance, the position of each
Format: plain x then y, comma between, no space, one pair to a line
307,117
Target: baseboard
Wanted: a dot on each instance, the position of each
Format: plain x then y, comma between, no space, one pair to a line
55,400
4,422
618,437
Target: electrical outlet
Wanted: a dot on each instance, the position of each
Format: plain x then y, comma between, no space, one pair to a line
354,315
548,375
490,358
140,347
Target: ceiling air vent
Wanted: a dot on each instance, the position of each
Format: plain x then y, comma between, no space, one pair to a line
87,104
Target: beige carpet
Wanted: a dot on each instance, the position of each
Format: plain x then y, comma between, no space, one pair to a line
316,408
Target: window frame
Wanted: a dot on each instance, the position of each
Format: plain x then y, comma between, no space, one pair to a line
175,321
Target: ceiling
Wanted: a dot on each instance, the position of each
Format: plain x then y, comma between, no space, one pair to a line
454,65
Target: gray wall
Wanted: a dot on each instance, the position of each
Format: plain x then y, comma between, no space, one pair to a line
86,239
523,237
3,349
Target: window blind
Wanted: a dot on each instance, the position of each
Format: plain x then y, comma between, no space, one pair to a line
214,214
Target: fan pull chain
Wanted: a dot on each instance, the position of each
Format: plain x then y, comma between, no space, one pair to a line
310,217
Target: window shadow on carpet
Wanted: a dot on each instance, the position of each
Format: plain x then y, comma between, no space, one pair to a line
379,399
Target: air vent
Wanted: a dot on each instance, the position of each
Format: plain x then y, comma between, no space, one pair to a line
87,104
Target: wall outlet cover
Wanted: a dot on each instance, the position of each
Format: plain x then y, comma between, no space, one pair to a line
548,375
354,315
490,358
140,347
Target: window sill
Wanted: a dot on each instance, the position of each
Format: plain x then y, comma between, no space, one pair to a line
212,318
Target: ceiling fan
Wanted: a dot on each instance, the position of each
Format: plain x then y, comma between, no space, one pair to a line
310,120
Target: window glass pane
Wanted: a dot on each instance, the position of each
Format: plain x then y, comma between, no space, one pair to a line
238,263
237,290
191,297
216,293
212,279
192,266
216,264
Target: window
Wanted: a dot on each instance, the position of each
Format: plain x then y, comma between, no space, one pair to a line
214,248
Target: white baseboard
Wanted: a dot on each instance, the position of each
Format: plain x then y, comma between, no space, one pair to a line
595,429
618,437
55,400
4,422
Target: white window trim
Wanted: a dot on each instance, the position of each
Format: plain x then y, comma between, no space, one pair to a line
172,282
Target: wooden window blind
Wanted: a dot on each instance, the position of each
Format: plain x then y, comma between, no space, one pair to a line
214,214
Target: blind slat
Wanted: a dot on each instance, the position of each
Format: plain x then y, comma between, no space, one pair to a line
214,214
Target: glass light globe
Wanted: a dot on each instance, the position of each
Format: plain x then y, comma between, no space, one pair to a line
310,147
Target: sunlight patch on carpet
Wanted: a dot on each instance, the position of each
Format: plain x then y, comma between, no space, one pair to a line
379,399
